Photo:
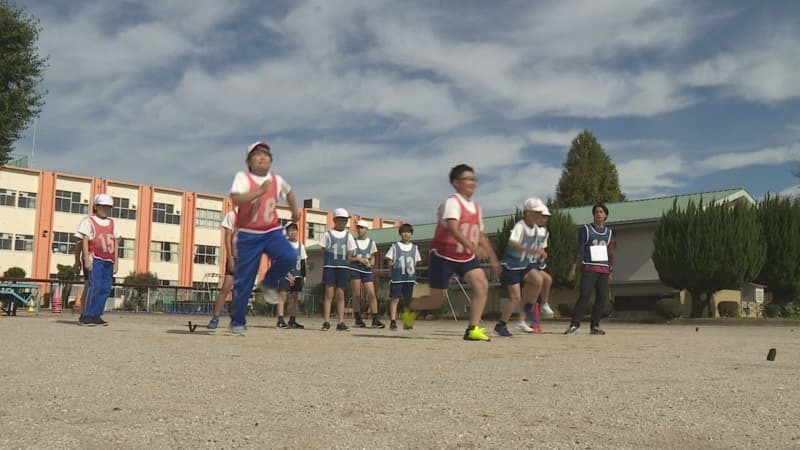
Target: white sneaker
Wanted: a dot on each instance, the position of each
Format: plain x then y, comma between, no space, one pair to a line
271,296
546,311
522,326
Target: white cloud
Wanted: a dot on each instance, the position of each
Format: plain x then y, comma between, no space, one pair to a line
552,137
767,156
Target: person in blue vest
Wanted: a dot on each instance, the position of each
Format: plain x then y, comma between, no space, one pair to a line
338,244
595,253
362,259
292,283
403,257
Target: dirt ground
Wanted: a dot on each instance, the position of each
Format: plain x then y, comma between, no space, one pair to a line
145,381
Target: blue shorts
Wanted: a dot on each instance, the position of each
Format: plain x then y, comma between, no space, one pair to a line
511,277
401,290
336,276
284,285
365,277
440,270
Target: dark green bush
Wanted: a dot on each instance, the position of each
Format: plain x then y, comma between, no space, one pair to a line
728,309
565,309
773,310
669,308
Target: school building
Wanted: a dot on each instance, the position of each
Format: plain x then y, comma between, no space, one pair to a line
174,233
635,287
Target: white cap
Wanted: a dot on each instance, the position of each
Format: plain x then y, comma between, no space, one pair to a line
104,200
544,211
533,204
340,212
259,144
363,223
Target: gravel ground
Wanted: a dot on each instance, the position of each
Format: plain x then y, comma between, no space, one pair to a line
145,381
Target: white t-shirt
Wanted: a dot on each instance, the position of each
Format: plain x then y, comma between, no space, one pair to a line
351,241
228,222
241,183
520,230
85,227
303,254
452,209
362,245
404,247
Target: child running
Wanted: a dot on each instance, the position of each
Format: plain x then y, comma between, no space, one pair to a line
99,246
458,246
362,259
338,244
227,281
258,231
523,260
403,257
292,283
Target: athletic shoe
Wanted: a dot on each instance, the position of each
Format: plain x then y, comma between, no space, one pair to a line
502,330
522,326
99,321
360,323
408,319
573,328
213,323
547,311
597,331
271,295
326,326
236,329
86,321
377,324
295,325
537,329
281,323
341,327
476,334
393,325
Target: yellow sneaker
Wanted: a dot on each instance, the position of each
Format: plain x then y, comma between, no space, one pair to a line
476,334
408,317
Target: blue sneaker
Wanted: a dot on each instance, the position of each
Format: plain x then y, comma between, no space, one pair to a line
237,329
213,323
502,330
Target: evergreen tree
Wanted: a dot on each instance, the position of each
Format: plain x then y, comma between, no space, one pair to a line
21,70
780,220
704,249
589,176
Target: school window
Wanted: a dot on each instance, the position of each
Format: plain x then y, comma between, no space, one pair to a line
5,241
122,209
165,213
23,243
63,242
27,200
208,218
70,202
8,197
164,251
206,254
315,230
125,248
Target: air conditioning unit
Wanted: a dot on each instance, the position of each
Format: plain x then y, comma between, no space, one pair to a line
311,203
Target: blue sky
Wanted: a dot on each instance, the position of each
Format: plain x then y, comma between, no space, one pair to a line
367,104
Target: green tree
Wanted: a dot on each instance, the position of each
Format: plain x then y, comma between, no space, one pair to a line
14,272
704,249
67,272
140,282
589,176
560,246
780,220
21,71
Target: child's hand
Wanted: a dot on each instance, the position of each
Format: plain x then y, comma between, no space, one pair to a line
265,185
290,278
480,253
87,266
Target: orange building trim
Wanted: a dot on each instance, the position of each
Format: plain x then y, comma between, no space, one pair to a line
43,239
144,229
187,239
